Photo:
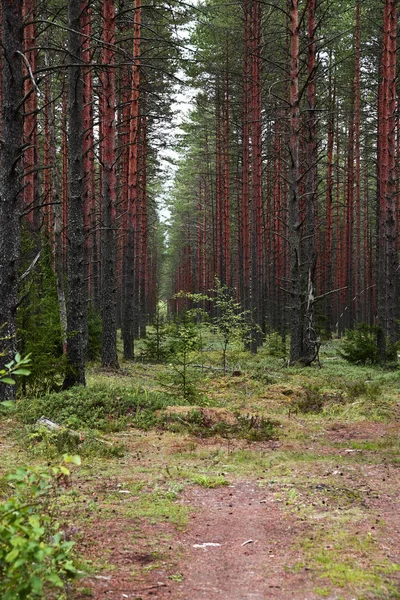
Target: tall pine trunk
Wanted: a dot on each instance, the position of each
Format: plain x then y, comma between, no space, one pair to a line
77,306
130,277
296,321
10,179
109,356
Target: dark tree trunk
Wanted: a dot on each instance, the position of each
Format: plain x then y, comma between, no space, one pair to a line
256,175
109,356
77,307
360,298
390,222
386,188
310,343
10,179
88,155
31,191
244,229
328,246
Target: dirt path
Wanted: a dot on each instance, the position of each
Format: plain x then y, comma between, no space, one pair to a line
257,542
246,542
253,543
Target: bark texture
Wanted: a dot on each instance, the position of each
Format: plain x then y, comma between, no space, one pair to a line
10,179
77,307
109,356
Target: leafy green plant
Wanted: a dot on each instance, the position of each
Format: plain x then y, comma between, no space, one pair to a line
34,556
17,366
209,481
357,388
202,424
276,345
52,443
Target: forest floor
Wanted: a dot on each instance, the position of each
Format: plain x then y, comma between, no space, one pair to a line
312,512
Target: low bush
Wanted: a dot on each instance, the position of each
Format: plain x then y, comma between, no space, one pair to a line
260,374
35,559
312,400
360,347
51,443
358,388
97,407
199,423
276,345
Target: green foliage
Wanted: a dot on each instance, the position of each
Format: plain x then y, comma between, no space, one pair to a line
231,323
360,345
155,344
261,374
97,407
185,343
93,350
34,556
39,327
51,443
276,345
369,389
15,367
209,481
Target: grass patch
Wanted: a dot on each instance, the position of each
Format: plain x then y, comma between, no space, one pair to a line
209,481
159,505
349,560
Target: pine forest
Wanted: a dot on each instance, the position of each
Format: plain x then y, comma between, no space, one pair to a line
199,299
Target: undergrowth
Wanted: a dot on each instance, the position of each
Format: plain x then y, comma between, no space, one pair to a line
99,407
35,557
199,423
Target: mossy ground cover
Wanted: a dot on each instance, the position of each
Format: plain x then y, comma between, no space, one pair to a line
330,457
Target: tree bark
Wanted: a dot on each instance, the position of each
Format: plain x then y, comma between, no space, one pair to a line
10,179
296,321
109,356
77,306
130,257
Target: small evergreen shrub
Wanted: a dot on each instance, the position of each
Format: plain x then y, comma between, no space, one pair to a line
261,375
155,346
357,388
185,342
360,345
276,345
